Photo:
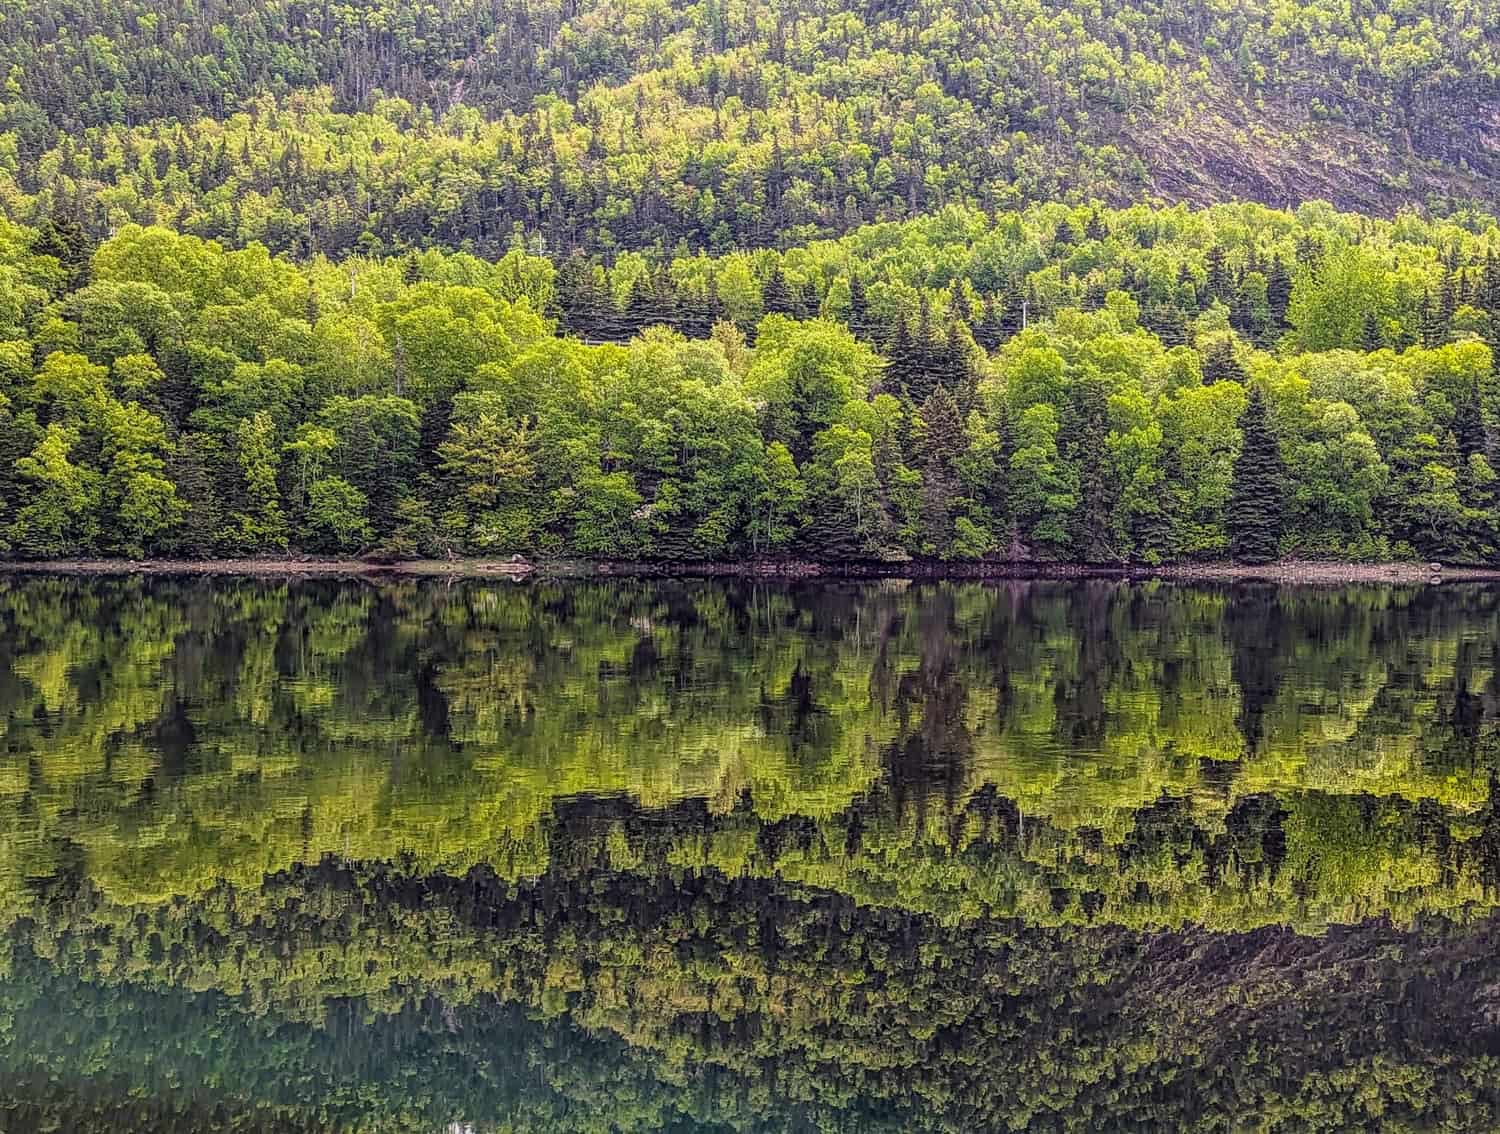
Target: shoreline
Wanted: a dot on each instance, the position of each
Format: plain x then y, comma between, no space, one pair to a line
1288,572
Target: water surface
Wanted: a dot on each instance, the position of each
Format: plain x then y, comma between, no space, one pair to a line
629,855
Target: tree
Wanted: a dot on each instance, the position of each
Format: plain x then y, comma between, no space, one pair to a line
778,505
1332,300
1255,515
336,515
59,517
256,522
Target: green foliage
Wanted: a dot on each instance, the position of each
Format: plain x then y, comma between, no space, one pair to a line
201,401
1256,513
365,127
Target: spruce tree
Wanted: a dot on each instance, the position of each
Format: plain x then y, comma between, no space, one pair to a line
1469,430
1219,280
1220,364
1255,516
859,307
1279,292
1430,323
776,296
1487,297
1090,527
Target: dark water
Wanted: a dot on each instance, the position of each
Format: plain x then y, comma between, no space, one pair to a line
680,856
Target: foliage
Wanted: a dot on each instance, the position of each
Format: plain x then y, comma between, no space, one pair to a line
193,400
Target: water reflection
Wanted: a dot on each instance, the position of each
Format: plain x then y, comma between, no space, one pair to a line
689,856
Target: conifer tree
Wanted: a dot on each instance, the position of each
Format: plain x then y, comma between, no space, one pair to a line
1220,364
1279,292
1090,527
1430,323
1468,426
1255,517
776,297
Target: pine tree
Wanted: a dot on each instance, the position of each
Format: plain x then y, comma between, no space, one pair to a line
859,306
1187,291
1219,283
1487,297
1430,323
1279,292
1011,311
776,296
1468,426
943,443
1220,364
1371,339
1090,526
1168,323
1255,516
1447,303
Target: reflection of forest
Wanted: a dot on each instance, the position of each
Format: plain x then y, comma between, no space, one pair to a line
1061,752
676,856
355,998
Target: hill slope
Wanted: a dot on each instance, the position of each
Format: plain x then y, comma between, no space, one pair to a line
632,123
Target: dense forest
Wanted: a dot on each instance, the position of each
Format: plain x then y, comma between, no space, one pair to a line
734,279
1058,384
922,289
604,125
1154,757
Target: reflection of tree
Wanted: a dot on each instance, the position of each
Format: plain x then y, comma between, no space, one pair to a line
178,732
1256,630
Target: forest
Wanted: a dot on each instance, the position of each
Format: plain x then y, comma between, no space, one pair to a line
1055,281
1059,384
609,125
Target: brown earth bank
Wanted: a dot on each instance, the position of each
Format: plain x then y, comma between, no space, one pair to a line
1289,571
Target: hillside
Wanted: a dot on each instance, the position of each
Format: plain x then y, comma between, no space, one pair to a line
627,280
315,127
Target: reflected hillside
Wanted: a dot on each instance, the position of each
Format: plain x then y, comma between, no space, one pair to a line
689,857
358,999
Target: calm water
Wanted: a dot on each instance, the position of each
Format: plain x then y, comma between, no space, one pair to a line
684,856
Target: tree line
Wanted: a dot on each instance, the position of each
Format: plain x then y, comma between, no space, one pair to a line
1059,384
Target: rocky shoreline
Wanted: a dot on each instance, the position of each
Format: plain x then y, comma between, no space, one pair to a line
1290,572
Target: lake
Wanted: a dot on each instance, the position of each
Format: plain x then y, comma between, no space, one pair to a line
442,856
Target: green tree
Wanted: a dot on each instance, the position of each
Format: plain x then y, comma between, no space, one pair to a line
1256,512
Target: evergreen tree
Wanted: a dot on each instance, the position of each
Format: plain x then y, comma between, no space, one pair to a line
1256,516
1430,323
1091,525
1219,282
859,306
1469,430
943,442
1220,363
776,296
1279,293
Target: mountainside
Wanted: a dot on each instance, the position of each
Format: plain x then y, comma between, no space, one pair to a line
379,126
723,280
